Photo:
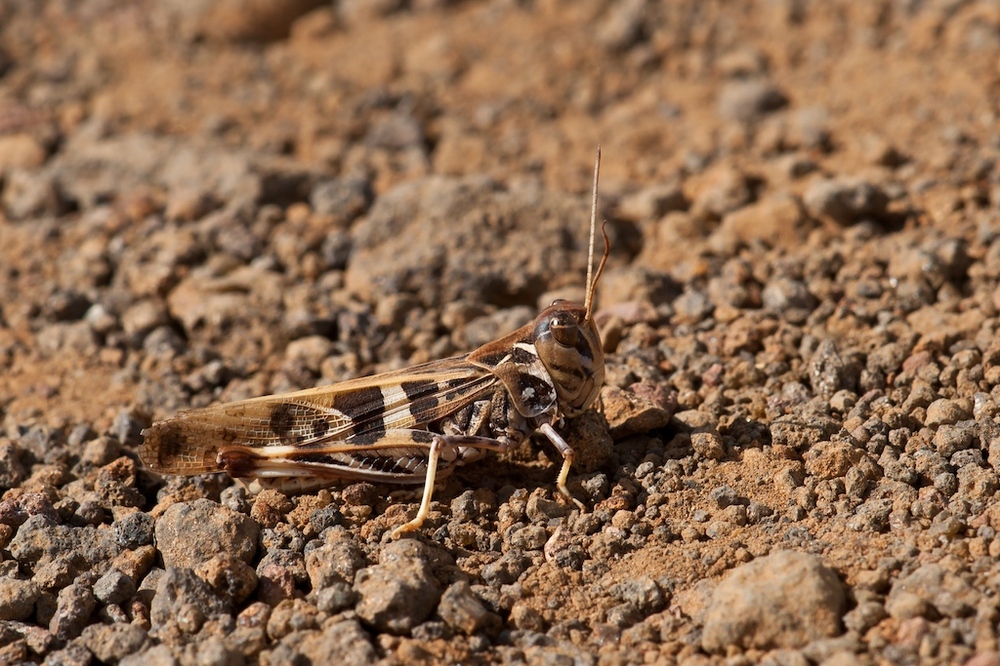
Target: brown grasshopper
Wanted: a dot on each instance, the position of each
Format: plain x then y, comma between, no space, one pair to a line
408,426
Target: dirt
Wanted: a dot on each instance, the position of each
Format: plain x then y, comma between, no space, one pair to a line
209,201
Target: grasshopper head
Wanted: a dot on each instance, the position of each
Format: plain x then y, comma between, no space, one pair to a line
569,346
566,338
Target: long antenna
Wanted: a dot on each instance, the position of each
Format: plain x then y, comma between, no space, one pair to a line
588,302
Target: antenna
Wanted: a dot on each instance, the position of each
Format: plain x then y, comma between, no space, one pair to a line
588,303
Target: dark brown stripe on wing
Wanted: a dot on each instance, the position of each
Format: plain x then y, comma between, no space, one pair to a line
365,407
423,397
282,419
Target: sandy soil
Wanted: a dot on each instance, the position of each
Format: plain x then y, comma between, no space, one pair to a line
208,201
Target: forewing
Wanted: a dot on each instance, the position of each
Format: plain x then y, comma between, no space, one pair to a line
358,412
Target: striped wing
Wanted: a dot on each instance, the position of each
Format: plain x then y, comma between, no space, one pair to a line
324,420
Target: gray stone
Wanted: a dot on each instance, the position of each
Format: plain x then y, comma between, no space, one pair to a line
745,100
338,560
12,472
346,198
112,643
952,438
530,537
39,542
462,610
185,599
74,605
641,592
653,202
114,587
845,200
396,596
74,654
864,616
133,530
29,194
783,600
723,496
471,504
783,294
830,372
872,516
692,307
505,570
343,642
932,586
335,598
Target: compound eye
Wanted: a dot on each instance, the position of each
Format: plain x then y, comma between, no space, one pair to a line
565,333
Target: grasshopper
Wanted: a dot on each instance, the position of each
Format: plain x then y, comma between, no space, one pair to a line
409,426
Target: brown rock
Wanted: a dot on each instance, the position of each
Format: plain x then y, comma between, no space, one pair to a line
229,576
777,221
590,439
639,409
830,460
269,507
189,533
20,151
244,20
718,191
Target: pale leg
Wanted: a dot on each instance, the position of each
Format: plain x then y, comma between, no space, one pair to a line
425,503
568,454
433,456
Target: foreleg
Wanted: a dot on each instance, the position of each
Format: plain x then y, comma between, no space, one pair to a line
568,454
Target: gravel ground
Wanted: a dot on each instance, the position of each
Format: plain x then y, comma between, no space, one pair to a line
798,451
